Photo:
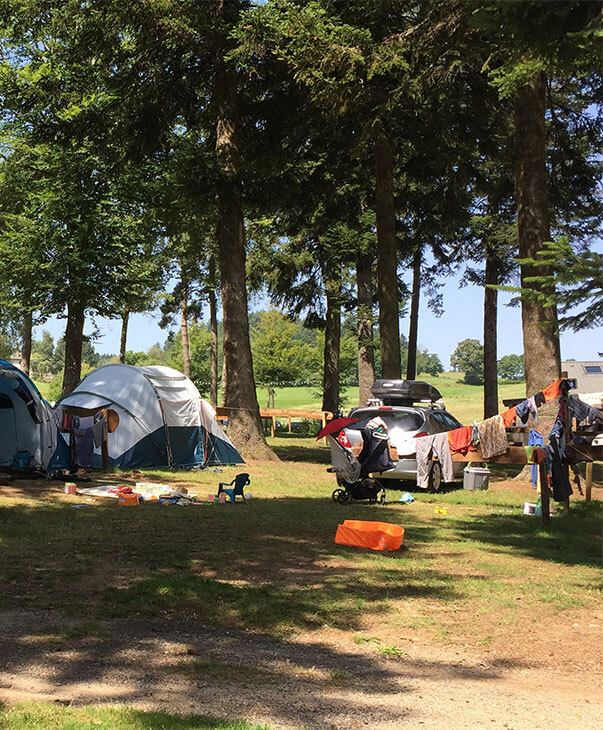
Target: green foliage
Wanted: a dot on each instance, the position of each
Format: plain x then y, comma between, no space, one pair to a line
572,279
428,362
278,357
199,339
468,357
511,368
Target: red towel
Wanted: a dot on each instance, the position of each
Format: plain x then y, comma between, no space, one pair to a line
460,440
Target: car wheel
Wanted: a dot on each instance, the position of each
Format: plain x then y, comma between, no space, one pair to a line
435,477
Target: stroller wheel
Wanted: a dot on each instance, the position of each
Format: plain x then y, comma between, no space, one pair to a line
336,493
382,497
345,497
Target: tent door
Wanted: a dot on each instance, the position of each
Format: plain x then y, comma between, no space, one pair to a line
8,429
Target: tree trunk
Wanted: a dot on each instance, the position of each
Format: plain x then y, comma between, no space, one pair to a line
540,330
213,349
125,318
186,350
74,337
26,342
490,329
413,330
366,356
330,381
240,400
387,261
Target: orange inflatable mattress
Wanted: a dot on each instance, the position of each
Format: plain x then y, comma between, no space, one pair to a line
372,535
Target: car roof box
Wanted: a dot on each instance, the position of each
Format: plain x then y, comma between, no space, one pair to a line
404,392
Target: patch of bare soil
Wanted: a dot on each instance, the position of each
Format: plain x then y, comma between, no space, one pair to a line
318,680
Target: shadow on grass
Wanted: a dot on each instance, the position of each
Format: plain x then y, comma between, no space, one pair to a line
290,447
572,540
271,565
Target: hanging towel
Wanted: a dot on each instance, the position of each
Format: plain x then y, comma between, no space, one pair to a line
436,445
460,440
492,437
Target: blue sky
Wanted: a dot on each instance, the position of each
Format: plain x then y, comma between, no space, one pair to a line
462,318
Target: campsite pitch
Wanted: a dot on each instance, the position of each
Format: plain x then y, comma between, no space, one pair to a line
252,613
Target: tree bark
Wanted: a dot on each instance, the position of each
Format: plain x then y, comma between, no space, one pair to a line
540,330
366,355
240,400
490,332
213,349
125,318
74,337
26,342
330,382
186,350
413,329
387,260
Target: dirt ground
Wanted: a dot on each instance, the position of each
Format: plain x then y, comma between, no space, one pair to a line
319,679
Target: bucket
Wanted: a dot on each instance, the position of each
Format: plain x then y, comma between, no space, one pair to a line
476,478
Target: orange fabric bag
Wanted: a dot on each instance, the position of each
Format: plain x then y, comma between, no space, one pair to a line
372,535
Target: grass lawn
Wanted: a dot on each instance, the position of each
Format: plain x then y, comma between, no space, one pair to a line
272,566
43,716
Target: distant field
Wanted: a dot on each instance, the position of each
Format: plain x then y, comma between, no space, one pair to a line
463,401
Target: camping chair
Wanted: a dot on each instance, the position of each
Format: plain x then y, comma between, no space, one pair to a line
240,481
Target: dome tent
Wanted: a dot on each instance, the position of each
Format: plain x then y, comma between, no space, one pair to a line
161,418
26,422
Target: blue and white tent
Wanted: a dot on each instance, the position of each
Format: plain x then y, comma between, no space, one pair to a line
161,418
28,434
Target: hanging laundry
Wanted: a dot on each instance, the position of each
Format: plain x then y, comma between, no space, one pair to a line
436,445
562,488
583,412
460,440
539,399
492,437
86,422
99,432
83,447
553,390
509,417
527,408
535,439
523,411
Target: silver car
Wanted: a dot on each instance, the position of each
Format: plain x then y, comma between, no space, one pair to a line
404,424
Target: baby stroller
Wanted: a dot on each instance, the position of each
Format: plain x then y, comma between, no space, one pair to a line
353,472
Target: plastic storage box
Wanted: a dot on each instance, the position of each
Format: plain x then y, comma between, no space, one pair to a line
476,478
